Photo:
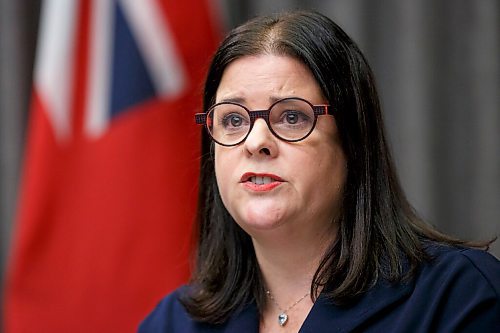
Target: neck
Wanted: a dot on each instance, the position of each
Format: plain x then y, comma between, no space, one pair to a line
288,260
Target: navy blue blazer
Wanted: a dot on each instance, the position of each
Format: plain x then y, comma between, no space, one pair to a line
457,292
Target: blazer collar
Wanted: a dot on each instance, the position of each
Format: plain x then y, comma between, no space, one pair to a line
247,320
325,315
347,318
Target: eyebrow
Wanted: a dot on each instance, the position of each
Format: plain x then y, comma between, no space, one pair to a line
241,100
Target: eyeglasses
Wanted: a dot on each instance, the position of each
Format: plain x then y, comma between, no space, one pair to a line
289,119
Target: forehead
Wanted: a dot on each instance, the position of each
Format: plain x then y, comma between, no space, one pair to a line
266,78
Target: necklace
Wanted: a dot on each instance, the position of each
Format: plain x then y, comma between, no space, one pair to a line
283,316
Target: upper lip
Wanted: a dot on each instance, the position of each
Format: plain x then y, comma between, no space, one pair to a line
247,175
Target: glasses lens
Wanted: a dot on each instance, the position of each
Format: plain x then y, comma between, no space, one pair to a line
292,119
228,123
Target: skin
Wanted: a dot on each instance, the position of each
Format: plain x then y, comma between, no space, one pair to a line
312,170
291,223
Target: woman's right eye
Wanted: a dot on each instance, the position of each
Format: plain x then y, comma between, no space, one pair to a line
233,120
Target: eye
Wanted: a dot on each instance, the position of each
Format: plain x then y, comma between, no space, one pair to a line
230,117
294,117
232,120
291,117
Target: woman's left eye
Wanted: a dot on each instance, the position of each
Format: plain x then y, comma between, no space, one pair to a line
294,117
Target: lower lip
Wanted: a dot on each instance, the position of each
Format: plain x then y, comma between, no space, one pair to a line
262,187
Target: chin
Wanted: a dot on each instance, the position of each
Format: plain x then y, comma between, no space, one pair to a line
261,222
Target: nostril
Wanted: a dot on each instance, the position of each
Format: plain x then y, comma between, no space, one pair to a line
265,151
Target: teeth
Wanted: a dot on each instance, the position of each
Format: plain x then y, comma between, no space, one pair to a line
261,180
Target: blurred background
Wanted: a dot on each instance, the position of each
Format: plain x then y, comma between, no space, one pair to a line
438,73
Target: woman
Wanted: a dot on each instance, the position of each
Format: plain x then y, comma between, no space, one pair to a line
302,223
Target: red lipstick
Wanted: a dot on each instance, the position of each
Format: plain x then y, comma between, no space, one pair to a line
260,182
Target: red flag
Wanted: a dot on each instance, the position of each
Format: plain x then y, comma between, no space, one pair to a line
110,173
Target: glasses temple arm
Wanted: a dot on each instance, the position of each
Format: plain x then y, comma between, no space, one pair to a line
323,109
200,118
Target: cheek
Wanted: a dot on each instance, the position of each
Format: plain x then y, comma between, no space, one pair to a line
224,163
325,175
219,170
336,175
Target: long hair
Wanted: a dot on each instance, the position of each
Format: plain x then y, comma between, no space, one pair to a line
379,235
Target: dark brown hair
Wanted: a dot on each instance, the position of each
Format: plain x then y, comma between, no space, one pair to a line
379,235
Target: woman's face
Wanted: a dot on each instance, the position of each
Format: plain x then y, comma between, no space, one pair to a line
306,177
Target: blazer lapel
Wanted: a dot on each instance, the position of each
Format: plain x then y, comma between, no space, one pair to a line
247,320
327,317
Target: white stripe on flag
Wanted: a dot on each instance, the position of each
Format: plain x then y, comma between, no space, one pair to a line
97,112
54,62
157,46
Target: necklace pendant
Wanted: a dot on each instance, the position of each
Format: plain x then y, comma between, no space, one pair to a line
282,319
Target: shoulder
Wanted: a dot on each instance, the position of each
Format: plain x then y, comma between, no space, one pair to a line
462,265
458,289
171,316
161,318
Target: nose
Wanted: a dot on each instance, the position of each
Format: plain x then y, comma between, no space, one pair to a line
261,141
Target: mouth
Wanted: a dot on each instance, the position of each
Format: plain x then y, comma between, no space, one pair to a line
260,178
261,181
